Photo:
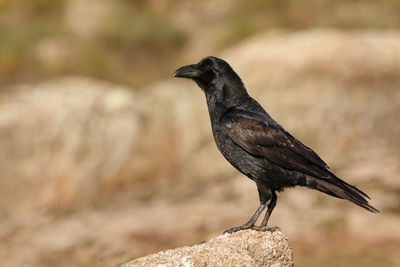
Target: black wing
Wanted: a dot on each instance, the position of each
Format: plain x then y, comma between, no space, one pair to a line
272,143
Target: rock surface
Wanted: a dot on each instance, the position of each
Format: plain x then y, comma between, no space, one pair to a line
63,141
244,248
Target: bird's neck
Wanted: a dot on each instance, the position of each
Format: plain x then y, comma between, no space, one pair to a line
219,100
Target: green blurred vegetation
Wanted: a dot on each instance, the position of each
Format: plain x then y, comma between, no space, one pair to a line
123,49
139,40
332,225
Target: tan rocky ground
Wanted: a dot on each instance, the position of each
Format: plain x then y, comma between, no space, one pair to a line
243,248
94,175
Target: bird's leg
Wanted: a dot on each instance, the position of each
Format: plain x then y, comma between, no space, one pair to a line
263,226
250,223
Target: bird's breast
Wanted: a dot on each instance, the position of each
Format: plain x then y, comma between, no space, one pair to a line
238,157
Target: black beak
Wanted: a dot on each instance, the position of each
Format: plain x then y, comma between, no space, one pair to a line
189,71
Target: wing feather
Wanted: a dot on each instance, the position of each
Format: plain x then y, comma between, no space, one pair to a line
274,144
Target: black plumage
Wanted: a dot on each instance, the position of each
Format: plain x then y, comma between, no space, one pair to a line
258,146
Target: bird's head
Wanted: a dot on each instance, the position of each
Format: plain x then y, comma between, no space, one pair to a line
213,75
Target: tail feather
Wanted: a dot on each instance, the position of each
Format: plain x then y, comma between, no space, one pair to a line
340,189
349,186
360,201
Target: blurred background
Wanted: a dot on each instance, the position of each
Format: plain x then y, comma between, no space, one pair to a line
105,157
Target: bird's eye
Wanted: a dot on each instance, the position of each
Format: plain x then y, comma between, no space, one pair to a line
207,65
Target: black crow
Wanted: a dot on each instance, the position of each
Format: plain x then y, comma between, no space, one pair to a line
258,146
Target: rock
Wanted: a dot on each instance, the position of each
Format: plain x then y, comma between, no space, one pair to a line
365,56
243,248
63,141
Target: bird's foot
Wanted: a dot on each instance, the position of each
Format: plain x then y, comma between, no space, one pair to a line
253,227
265,228
238,228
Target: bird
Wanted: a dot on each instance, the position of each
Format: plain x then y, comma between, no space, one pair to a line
259,147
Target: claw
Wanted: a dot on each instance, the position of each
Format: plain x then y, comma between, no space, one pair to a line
253,227
235,229
266,228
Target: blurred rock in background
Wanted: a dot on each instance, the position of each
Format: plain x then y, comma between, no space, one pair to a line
62,142
94,173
